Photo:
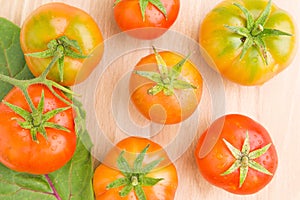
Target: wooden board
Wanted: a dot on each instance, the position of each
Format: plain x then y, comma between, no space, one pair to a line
112,117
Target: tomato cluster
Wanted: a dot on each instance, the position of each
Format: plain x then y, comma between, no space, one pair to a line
63,44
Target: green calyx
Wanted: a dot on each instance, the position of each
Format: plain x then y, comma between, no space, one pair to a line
254,32
167,79
58,49
245,159
36,121
144,3
135,178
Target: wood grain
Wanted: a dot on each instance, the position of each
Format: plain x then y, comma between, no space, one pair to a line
275,104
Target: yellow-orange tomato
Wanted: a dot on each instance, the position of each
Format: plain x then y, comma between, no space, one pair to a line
109,172
248,50
49,23
162,108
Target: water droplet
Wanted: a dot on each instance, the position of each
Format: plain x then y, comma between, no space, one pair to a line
53,148
54,137
264,162
219,156
24,139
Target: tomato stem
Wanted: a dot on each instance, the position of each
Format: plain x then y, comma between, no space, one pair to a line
135,178
143,6
254,32
36,120
58,49
167,79
245,159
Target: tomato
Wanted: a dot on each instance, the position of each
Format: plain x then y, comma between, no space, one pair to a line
236,153
57,28
247,41
145,19
30,143
167,97
141,171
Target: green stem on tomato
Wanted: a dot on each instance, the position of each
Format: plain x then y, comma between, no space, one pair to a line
58,49
166,79
135,177
36,120
143,6
245,159
254,32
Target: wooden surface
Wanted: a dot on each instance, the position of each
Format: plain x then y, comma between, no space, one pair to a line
275,104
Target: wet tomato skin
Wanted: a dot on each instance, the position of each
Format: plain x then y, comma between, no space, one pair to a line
17,149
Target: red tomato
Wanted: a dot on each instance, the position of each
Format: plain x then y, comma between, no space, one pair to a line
160,183
18,150
237,154
162,107
50,25
129,18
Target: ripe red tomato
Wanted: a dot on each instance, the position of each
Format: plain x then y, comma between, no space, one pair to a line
141,171
57,28
156,21
168,98
237,154
18,150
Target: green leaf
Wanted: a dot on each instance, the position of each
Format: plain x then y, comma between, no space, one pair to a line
139,192
153,76
247,44
235,152
257,153
138,162
155,90
232,168
123,164
249,17
243,175
149,167
273,32
159,5
71,182
162,66
258,167
12,62
180,84
118,183
176,69
262,19
246,145
149,181
143,6
125,191
20,111
239,30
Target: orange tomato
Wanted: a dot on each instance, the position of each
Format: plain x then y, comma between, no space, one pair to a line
163,108
164,174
